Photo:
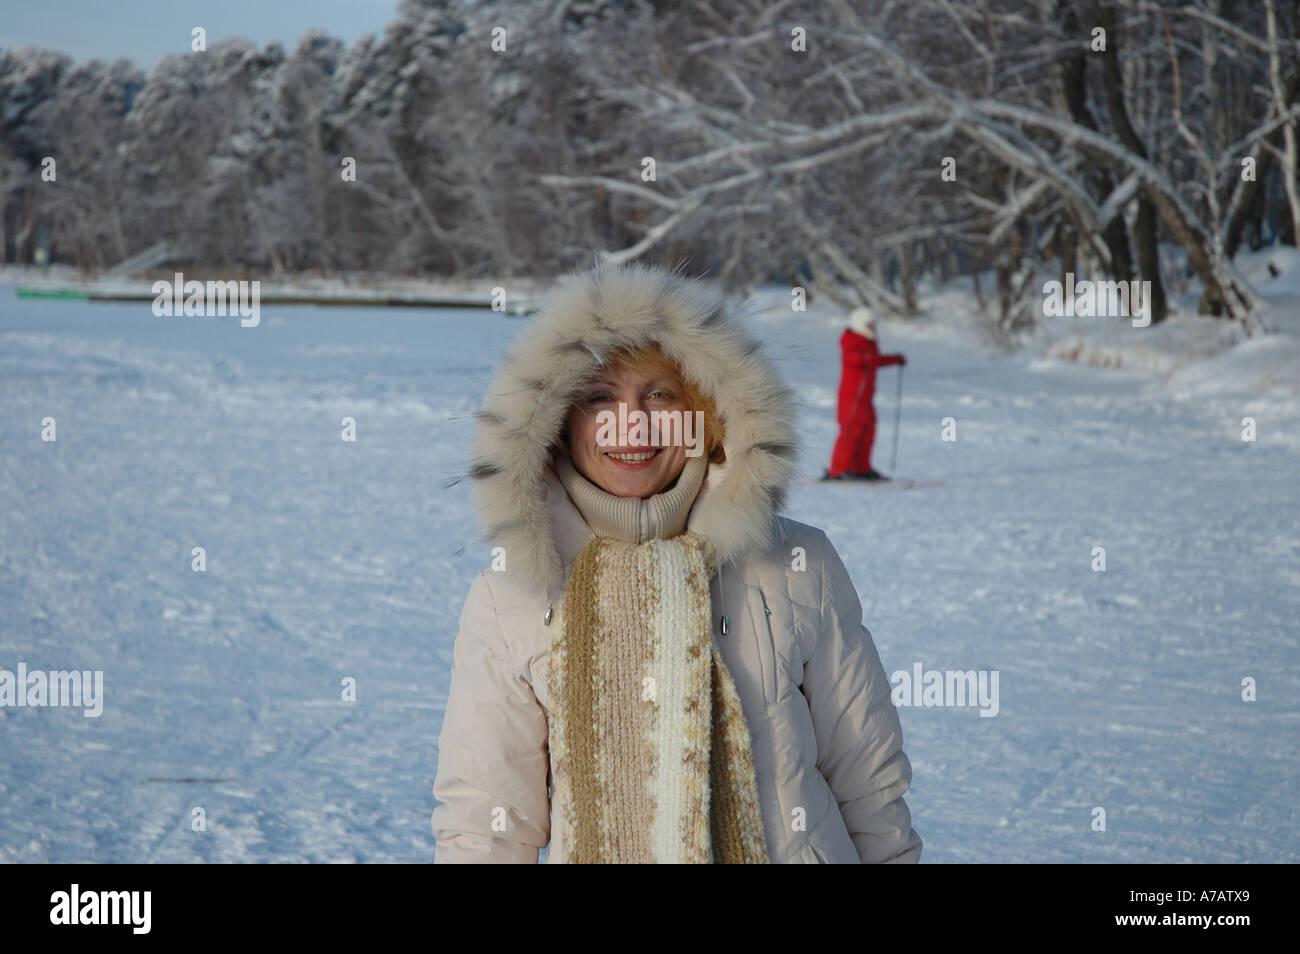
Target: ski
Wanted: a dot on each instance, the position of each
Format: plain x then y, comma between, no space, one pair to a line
882,484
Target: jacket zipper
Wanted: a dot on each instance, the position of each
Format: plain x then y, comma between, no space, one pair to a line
773,678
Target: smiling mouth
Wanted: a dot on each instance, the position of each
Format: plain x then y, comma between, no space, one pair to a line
640,457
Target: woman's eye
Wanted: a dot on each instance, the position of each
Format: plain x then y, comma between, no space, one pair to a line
598,396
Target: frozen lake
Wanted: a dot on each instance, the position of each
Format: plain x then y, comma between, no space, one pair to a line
329,560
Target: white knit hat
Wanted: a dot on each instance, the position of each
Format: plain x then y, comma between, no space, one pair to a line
863,321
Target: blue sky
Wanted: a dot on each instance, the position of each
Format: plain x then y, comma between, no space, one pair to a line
147,30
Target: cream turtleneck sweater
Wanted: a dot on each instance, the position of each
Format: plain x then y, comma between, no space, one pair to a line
633,519
628,778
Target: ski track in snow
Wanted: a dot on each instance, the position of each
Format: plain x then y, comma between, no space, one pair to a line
328,559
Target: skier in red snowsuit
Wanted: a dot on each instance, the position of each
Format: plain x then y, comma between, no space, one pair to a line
856,412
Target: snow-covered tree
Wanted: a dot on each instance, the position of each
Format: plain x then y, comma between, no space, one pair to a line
853,146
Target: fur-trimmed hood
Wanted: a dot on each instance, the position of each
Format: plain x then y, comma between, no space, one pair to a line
588,316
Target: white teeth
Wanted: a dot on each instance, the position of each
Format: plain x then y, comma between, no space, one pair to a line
634,458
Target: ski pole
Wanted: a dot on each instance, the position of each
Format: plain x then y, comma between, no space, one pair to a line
898,414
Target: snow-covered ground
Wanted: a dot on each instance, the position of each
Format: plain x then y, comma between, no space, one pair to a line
327,560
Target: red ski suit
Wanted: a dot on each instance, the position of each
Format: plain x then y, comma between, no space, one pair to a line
856,413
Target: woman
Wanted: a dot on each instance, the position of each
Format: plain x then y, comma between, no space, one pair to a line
659,668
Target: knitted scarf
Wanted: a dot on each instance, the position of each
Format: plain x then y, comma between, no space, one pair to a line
649,745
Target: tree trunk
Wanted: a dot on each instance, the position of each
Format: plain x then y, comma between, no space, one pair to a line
1067,248
908,281
1146,229
1244,204
1074,84
1280,101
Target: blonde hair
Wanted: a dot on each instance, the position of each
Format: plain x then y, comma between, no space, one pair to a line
650,359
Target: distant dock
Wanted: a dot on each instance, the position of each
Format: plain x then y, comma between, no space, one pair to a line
344,298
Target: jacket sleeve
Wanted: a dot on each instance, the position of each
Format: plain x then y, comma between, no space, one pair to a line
856,356
885,360
493,760
859,736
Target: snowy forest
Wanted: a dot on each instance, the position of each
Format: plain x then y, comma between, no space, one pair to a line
849,147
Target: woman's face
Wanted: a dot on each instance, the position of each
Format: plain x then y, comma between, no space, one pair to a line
619,469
